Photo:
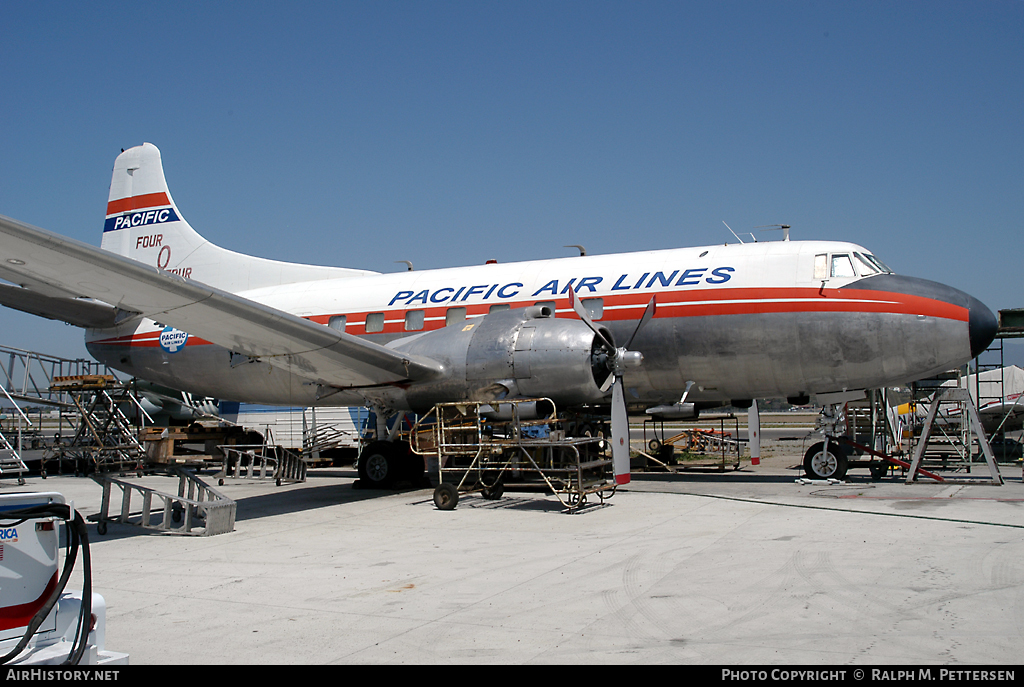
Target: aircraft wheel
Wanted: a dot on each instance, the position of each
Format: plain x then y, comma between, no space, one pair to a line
446,496
378,465
819,464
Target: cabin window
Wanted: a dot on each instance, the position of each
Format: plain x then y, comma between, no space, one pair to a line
842,266
499,307
337,322
821,266
374,322
454,315
595,307
414,320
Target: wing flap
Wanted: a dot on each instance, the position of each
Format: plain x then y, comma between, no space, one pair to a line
311,350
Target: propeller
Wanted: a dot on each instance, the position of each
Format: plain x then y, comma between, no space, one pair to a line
617,360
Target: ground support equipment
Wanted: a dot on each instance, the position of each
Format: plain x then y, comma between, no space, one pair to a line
10,460
105,439
962,397
41,623
198,509
481,447
260,461
724,447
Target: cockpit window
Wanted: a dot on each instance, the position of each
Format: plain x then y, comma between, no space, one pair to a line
864,266
879,264
842,266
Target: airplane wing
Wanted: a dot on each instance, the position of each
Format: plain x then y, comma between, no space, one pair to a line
87,314
321,354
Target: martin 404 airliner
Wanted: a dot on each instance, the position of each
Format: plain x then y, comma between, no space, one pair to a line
708,325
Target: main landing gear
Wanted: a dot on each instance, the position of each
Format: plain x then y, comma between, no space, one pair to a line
383,464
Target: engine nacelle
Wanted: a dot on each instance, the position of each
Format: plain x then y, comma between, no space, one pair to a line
521,352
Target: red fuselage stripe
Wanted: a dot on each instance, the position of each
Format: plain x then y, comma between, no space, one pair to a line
703,303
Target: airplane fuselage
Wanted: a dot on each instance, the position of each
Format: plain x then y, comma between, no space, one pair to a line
756,320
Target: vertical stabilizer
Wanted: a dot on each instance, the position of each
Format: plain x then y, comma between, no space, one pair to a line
144,224
141,216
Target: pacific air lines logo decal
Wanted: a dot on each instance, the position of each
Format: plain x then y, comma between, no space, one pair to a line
140,219
172,340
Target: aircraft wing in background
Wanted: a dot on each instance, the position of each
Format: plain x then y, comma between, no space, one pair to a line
37,257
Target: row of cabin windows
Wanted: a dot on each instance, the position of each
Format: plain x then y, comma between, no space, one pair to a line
414,319
831,265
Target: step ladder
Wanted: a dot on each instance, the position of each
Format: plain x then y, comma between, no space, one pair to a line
10,460
260,461
960,442
196,510
10,457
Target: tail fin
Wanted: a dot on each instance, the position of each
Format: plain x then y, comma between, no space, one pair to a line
144,224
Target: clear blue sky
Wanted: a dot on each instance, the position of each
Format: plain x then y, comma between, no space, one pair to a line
448,133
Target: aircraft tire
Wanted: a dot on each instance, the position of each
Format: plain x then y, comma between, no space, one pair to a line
821,465
378,465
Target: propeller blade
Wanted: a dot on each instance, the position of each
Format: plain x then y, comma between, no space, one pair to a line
648,314
620,434
585,316
754,433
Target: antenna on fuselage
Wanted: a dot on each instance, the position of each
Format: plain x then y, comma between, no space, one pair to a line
406,263
732,232
773,227
581,249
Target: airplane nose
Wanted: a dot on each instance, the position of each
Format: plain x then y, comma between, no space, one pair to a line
981,322
981,325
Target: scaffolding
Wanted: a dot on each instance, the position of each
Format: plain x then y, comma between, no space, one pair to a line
26,379
105,439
